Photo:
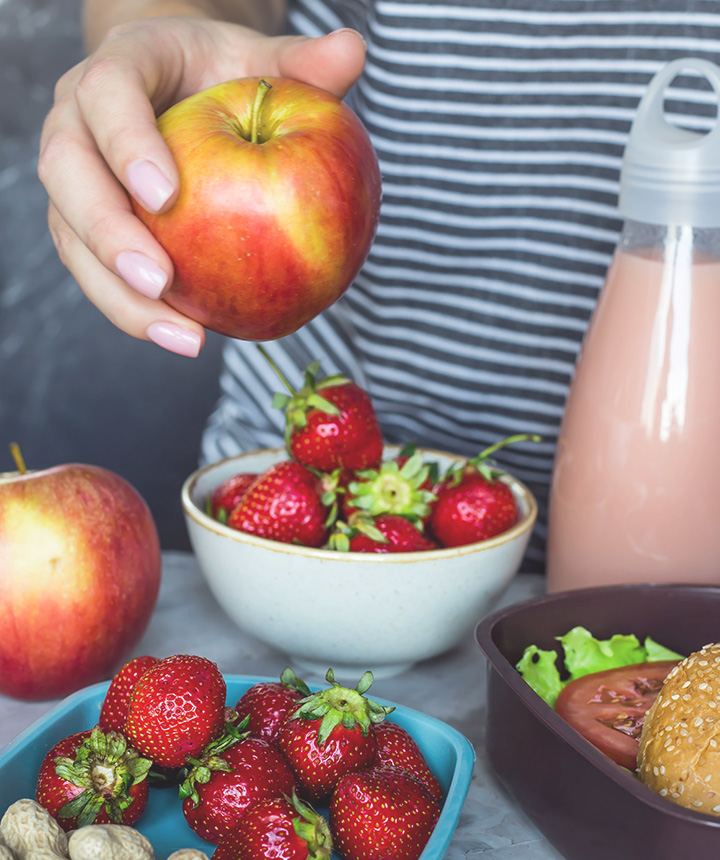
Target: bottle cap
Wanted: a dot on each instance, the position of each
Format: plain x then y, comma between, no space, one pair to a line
671,175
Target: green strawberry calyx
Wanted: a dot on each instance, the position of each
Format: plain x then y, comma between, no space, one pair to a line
358,523
312,828
330,487
199,769
340,537
105,767
342,706
394,489
297,404
290,680
483,462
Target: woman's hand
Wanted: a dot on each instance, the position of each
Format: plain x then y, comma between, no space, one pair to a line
100,142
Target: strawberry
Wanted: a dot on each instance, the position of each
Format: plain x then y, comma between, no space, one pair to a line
268,704
281,828
224,784
382,813
284,504
396,746
225,497
93,777
330,734
402,485
473,504
115,706
384,533
330,423
176,709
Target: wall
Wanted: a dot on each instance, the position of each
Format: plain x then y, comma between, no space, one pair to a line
72,387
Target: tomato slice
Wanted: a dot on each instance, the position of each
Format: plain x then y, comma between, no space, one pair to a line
608,708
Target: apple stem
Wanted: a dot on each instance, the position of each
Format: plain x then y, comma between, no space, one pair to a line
262,90
18,457
274,366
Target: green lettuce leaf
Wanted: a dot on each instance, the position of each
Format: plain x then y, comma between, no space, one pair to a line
539,669
660,652
583,654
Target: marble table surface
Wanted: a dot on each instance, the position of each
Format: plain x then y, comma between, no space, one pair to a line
452,688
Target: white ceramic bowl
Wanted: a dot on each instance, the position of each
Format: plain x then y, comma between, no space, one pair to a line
350,611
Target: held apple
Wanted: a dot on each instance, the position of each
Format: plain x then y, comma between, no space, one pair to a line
79,577
278,205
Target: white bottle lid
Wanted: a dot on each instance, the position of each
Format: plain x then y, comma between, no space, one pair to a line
671,175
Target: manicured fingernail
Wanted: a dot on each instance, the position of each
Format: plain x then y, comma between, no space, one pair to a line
348,30
175,339
142,273
148,185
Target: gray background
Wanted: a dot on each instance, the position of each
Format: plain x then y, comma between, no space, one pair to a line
72,387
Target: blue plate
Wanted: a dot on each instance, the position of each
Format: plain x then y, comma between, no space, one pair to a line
449,754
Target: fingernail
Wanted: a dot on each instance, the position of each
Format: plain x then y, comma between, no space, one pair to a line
348,30
142,273
148,185
175,339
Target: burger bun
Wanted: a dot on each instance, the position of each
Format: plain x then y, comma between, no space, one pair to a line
679,754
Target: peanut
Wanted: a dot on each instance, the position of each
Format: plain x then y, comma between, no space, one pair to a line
109,842
188,854
5,852
44,855
29,831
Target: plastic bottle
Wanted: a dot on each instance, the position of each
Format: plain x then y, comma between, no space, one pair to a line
635,494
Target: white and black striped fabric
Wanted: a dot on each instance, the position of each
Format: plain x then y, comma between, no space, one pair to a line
500,127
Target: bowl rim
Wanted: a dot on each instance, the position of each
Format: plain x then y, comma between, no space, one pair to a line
549,717
191,510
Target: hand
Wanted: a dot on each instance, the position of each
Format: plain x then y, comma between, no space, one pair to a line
100,141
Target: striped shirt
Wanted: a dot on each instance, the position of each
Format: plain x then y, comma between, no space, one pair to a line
499,127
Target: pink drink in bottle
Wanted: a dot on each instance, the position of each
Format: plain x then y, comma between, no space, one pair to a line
636,485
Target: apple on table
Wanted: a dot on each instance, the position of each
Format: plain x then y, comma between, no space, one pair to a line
278,205
79,577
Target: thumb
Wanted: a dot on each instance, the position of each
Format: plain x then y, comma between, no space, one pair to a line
332,63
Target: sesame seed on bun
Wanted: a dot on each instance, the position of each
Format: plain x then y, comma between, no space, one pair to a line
679,755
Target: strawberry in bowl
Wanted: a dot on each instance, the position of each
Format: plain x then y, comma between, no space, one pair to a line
330,554
385,609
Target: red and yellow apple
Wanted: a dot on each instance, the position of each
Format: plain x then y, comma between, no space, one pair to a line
79,578
277,209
